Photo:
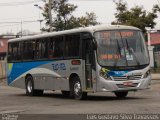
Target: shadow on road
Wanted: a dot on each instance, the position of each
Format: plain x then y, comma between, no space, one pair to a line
88,98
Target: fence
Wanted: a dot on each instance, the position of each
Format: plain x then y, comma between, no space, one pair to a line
2,69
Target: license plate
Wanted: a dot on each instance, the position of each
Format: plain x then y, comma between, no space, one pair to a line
129,83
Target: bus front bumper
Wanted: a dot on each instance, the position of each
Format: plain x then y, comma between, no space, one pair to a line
128,85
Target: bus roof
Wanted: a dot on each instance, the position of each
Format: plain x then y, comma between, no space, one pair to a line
76,30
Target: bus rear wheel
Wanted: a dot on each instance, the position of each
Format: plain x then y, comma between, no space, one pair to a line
77,89
121,94
30,91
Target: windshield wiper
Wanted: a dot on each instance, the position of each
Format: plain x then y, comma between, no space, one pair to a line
119,50
124,51
131,51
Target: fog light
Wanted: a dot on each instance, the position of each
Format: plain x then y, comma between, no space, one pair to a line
147,74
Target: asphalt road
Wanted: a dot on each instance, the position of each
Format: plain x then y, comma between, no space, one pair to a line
14,100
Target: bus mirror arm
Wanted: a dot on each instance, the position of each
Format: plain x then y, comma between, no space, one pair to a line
94,44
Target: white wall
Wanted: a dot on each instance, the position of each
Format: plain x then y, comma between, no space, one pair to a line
151,55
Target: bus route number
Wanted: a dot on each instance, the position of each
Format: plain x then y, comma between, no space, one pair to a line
59,66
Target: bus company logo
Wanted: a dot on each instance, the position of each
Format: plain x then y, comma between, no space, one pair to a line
59,66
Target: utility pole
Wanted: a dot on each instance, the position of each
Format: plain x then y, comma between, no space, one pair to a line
50,15
21,28
40,20
150,48
158,3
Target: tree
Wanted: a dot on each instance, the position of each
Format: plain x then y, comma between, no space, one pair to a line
63,18
156,8
136,16
89,19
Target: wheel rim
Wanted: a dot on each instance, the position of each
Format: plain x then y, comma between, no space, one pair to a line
29,86
77,88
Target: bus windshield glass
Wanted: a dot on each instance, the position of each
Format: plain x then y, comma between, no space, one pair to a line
121,48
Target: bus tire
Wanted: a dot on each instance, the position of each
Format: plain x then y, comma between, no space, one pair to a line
30,87
121,94
77,92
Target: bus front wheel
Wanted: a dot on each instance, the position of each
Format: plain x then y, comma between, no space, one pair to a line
77,89
30,91
121,94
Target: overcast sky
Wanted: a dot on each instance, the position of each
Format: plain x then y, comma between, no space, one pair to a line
18,10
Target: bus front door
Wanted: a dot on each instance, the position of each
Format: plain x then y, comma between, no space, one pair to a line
88,64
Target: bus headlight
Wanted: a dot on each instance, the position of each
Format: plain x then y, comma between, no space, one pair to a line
103,73
147,74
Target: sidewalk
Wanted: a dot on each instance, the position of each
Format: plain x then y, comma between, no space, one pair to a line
155,76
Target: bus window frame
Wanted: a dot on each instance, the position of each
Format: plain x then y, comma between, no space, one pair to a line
47,39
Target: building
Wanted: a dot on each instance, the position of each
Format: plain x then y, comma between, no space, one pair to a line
155,42
4,41
3,45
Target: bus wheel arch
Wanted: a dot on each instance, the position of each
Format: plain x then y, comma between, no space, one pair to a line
29,85
71,78
27,75
76,87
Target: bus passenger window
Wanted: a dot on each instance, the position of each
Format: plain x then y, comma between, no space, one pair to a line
72,45
50,48
15,51
56,47
37,50
20,50
44,48
28,50
10,53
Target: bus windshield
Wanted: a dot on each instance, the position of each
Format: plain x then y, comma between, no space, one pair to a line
120,48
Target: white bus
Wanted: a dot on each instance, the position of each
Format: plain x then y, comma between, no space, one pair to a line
78,61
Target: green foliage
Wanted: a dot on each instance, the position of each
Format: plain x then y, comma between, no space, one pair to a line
156,8
63,18
136,16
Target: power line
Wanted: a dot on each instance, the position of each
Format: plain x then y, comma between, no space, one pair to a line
19,22
9,25
18,18
18,3
91,0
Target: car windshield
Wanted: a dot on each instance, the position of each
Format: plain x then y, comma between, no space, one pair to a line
121,48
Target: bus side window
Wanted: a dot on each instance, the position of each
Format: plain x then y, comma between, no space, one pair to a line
44,48
10,53
37,50
58,47
72,45
28,48
15,51
51,48
20,50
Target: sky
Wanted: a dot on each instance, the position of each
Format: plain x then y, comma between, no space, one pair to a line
20,12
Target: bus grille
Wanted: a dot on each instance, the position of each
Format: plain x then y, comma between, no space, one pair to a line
123,86
124,78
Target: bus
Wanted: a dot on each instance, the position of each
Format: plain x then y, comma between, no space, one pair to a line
93,59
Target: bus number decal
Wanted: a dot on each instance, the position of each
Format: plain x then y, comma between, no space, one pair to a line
59,66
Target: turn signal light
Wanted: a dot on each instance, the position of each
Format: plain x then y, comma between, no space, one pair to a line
76,62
